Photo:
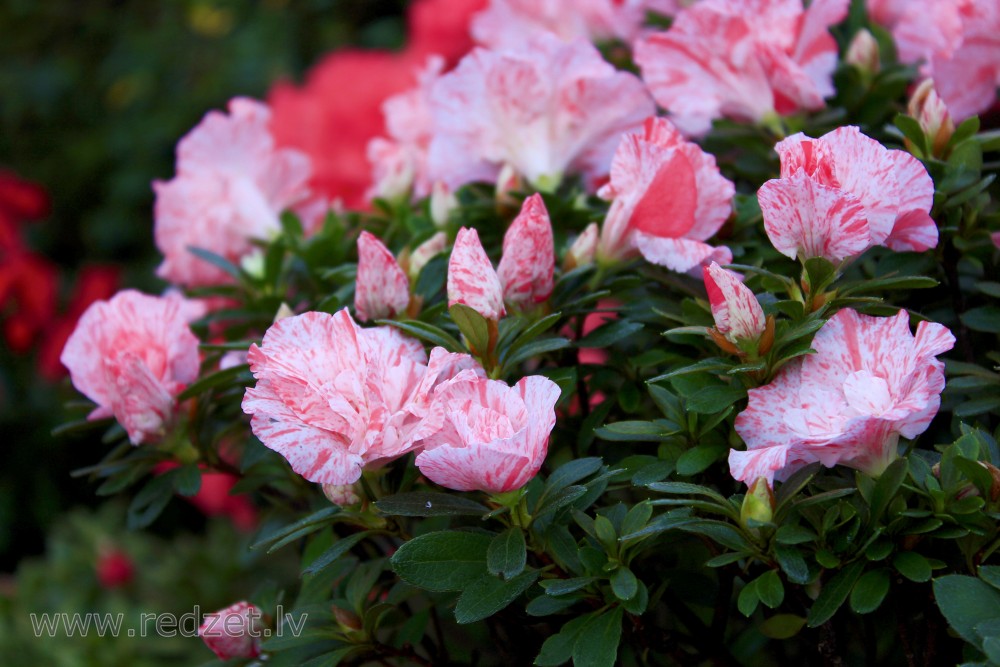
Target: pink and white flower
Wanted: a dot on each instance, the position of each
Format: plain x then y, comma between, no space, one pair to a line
843,193
132,355
527,267
668,198
956,42
233,632
333,398
869,382
399,162
742,59
549,109
472,281
231,186
382,289
493,437
927,107
424,253
735,309
510,24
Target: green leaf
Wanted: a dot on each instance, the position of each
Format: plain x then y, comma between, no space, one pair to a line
187,479
442,561
984,318
990,574
570,473
684,488
834,593
966,602
820,272
748,599
564,586
699,458
339,548
913,566
869,591
428,503
710,400
792,563
472,325
886,487
316,520
217,261
597,643
426,332
545,605
770,589
558,648
212,381
149,502
624,584
609,334
488,595
911,129
782,626
507,554
637,431
560,500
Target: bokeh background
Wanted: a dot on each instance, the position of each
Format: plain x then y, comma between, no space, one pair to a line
96,94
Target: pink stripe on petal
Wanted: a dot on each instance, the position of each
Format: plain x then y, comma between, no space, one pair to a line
526,270
471,279
804,218
734,307
382,289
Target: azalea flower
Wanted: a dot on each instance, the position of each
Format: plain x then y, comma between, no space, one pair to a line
132,355
382,288
667,197
549,110
843,193
233,632
742,59
510,24
333,398
869,382
493,437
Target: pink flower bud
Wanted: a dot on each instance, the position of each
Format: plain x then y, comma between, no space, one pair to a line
233,632
425,252
472,281
931,112
114,568
737,313
527,267
863,52
382,289
443,202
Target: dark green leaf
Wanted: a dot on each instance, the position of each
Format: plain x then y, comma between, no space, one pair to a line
966,602
597,643
317,519
488,595
558,648
609,334
886,487
472,325
624,584
913,566
443,561
710,400
426,332
782,626
637,431
770,589
869,591
507,554
339,548
212,381
428,503
834,593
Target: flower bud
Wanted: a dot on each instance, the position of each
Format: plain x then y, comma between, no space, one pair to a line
927,107
382,289
472,281
508,183
233,632
347,620
758,503
582,252
737,313
114,568
863,53
253,264
527,267
443,202
284,310
341,494
423,253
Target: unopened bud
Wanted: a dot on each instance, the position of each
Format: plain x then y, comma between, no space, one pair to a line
347,620
443,202
253,264
863,52
284,310
423,253
583,250
758,503
927,107
509,182
341,494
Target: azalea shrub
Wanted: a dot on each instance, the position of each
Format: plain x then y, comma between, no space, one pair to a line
662,334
